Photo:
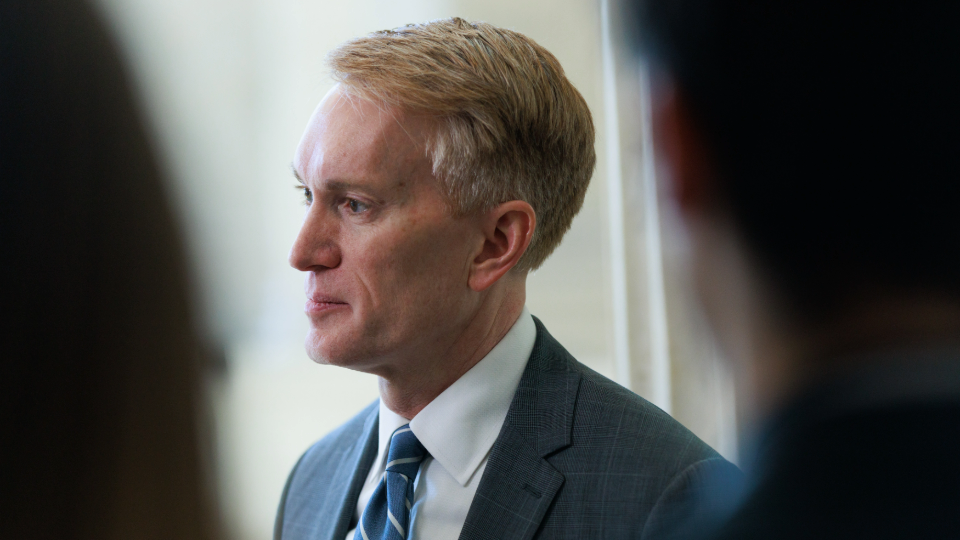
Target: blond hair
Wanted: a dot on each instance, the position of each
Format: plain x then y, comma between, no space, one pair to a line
510,126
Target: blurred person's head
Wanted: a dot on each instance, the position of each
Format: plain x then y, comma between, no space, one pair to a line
98,383
449,160
814,151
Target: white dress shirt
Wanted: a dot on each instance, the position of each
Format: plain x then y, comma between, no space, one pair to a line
458,429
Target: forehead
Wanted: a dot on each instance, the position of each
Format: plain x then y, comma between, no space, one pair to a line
349,136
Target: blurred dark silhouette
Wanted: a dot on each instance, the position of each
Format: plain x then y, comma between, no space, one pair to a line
99,383
813,149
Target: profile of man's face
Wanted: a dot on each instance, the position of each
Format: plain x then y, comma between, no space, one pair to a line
386,263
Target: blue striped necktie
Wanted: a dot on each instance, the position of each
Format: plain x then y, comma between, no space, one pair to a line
387,515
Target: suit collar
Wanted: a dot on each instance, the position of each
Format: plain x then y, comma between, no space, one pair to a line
518,484
542,409
353,474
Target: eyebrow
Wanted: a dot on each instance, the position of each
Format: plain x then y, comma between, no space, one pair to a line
296,174
334,185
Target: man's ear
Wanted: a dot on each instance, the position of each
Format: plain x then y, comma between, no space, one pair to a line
681,148
507,231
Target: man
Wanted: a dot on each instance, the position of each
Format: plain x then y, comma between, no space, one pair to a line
812,148
448,162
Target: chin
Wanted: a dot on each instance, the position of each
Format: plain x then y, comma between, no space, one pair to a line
325,349
319,350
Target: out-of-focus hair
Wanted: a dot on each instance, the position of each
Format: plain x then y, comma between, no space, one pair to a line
510,126
835,129
98,382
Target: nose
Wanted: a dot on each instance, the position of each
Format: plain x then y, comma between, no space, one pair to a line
316,245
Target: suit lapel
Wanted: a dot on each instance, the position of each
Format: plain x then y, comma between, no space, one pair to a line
518,484
352,473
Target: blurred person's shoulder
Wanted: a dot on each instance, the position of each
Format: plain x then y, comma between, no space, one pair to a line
870,455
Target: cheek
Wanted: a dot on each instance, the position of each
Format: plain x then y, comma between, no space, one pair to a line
415,255
419,267
441,254
387,271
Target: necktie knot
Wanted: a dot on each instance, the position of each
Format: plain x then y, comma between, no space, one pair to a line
387,515
405,453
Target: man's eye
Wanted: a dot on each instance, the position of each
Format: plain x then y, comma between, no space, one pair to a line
307,194
356,206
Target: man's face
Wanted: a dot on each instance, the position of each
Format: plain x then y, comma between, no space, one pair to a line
387,265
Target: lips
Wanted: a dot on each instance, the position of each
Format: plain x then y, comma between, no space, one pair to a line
320,303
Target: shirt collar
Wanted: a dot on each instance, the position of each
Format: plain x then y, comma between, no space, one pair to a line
460,425
389,422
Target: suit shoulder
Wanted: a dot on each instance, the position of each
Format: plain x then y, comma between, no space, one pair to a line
614,419
603,403
327,470
339,440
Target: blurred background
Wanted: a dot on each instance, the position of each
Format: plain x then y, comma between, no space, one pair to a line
228,86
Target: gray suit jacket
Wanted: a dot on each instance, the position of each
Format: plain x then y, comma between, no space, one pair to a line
578,457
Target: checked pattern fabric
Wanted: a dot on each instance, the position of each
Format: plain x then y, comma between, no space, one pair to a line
387,515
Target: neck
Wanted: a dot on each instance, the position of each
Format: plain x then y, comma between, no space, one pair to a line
791,357
778,355
407,392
